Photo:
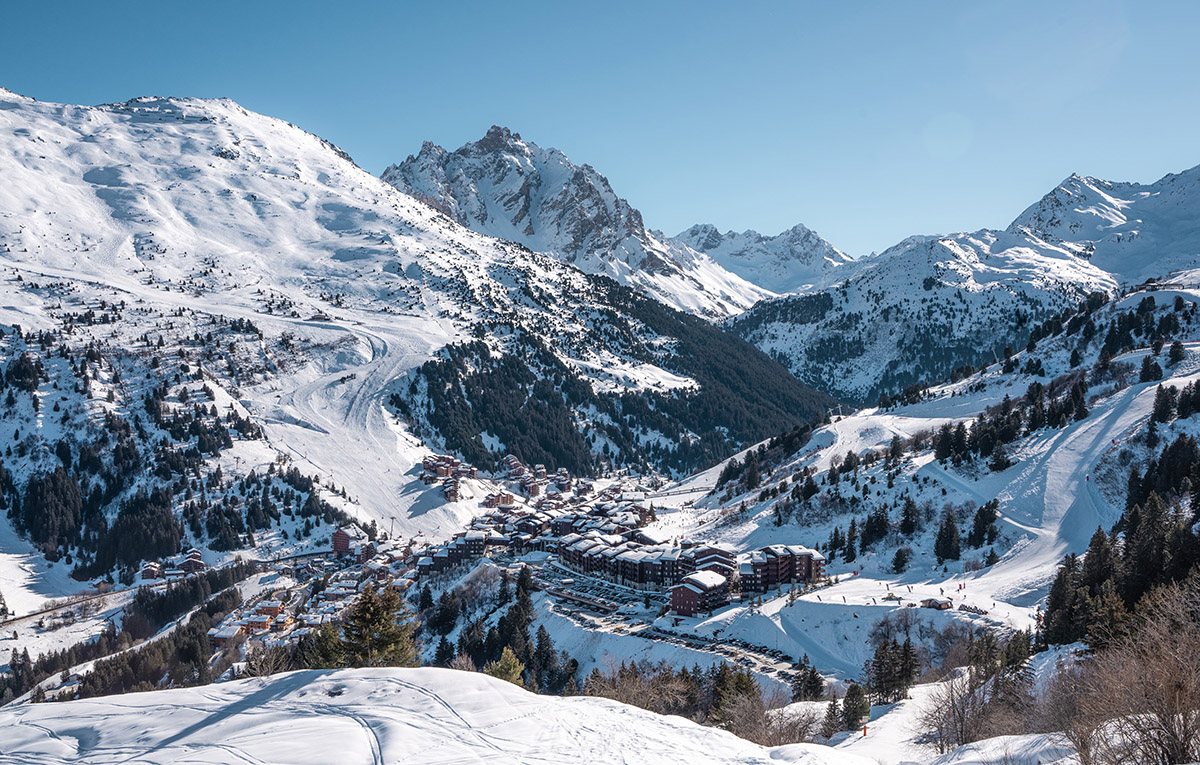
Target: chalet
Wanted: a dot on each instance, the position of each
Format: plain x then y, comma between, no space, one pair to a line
221,635
151,570
564,524
699,591
514,466
282,623
345,536
259,621
192,565
475,543
269,607
530,486
499,499
353,541
941,604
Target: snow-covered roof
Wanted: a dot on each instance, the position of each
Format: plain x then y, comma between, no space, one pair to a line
706,580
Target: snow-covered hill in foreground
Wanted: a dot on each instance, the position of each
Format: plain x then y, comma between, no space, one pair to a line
794,261
372,716
513,189
931,304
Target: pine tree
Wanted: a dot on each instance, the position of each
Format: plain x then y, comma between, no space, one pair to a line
908,665
813,683
1151,371
378,631
833,719
1000,460
909,517
959,450
426,600
854,707
1061,624
849,551
1176,354
1110,620
508,667
943,445
445,653
1100,563
900,560
323,649
1164,403
752,476
985,518
947,545
545,659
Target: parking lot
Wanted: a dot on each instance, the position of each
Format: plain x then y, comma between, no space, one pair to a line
598,604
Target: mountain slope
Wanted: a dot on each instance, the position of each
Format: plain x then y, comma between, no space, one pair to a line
932,304
198,287
1133,231
796,260
919,310
513,189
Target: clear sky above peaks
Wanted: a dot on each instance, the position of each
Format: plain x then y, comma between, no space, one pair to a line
866,121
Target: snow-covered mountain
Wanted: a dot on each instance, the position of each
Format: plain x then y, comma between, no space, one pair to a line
513,189
189,286
932,304
798,259
1133,231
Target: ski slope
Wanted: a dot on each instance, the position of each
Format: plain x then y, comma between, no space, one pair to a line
373,717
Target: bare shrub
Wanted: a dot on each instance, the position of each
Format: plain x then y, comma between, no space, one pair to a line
765,722
1142,695
954,713
262,661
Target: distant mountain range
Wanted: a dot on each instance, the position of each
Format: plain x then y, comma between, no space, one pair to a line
931,304
855,328
796,260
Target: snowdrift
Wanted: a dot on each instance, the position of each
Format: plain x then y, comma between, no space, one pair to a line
371,716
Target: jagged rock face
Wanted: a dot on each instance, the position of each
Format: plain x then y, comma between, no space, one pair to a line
507,187
795,260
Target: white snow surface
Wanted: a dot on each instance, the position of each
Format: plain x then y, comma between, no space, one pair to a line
371,716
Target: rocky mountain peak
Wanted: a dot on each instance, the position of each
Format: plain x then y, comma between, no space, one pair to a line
505,186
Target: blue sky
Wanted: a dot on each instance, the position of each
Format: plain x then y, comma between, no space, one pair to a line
865,121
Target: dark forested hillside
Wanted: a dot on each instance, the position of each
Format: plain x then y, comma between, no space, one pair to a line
543,410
